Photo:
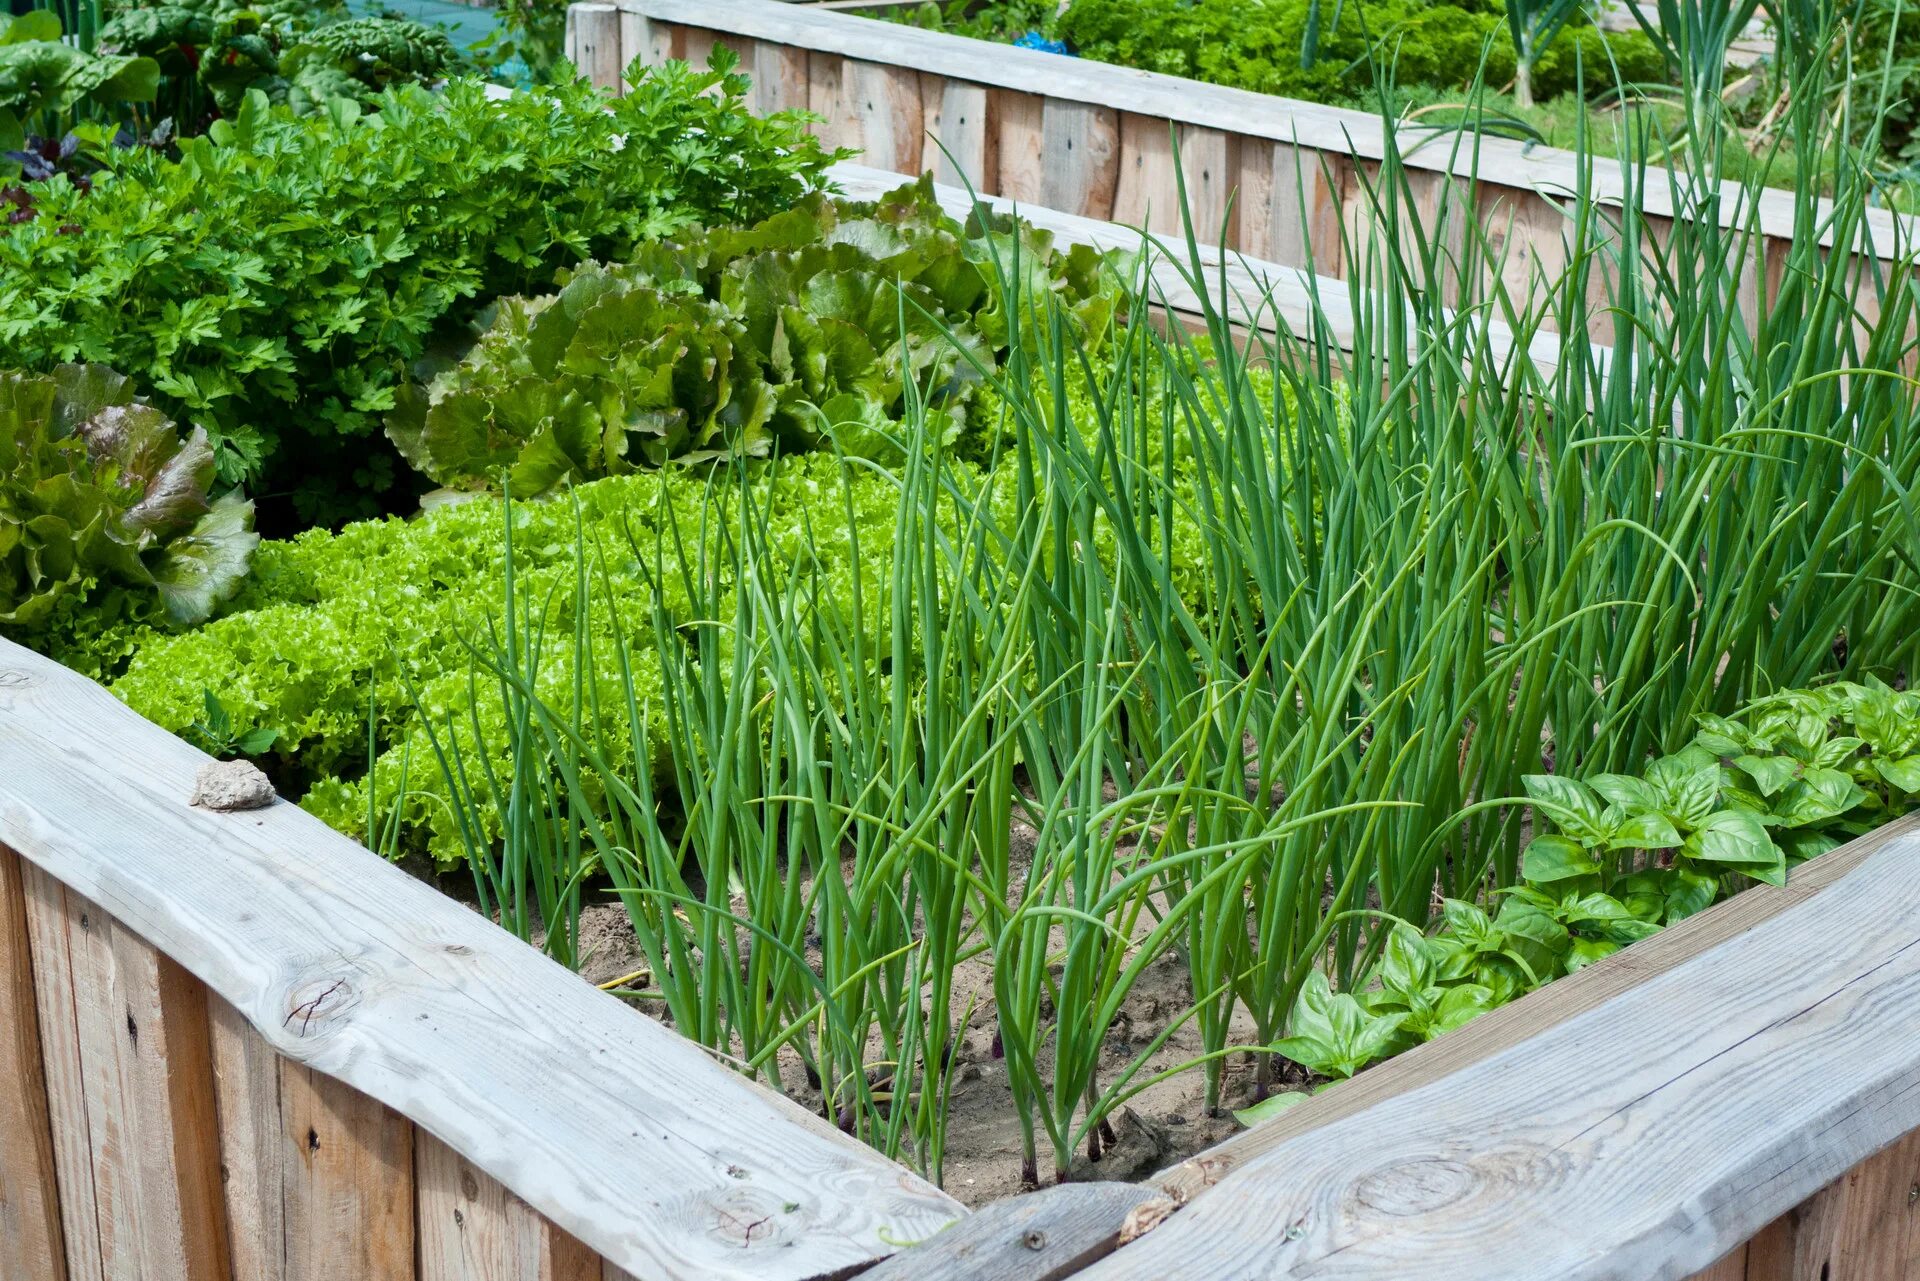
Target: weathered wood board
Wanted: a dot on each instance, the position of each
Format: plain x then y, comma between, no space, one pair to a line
1217,126
1532,1164
358,975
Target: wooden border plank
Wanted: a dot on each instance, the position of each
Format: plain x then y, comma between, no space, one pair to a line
1558,1002
1019,138
1528,1164
960,146
1081,150
472,1229
347,964
346,1182
130,1089
1358,134
1042,1236
593,44
30,1241
246,1087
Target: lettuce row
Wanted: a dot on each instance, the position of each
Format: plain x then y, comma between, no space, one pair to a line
807,328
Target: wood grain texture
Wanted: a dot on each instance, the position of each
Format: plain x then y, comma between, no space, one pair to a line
1146,195
647,42
46,915
1311,126
779,78
1020,156
1731,1267
472,1229
1080,150
1529,1164
30,1244
1209,164
653,1155
593,44
1801,1244
130,1093
346,1181
246,1090
1877,1236
870,108
959,146
1306,196
886,102
1041,1236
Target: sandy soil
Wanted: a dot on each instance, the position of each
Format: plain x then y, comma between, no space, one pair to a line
1159,1127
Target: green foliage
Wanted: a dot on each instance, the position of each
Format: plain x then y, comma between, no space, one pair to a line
1883,82
1257,46
211,53
98,491
531,34
44,80
804,329
275,284
1783,780
219,734
388,608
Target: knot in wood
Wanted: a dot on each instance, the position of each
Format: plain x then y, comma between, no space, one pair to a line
1452,1184
318,1005
11,679
1419,1186
748,1218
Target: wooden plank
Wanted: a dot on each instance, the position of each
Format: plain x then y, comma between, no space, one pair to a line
1020,158
649,42
1041,1236
346,1181
868,107
30,1244
1529,1164
835,128
1878,1240
46,915
593,44
779,78
1080,147
246,1088
130,1089
886,102
1166,98
1731,1267
1306,197
694,45
472,1229
347,964
1146,196
1209,161
1559,1002
960,148
1801,1244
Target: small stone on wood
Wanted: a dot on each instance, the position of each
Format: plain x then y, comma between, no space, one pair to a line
231,785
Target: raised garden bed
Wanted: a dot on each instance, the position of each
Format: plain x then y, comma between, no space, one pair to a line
241,1045
1056,647
1279,176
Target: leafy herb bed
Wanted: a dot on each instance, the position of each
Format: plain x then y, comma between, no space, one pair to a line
274,285
1263,641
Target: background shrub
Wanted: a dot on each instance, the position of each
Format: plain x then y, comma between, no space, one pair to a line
274,285
1257,46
